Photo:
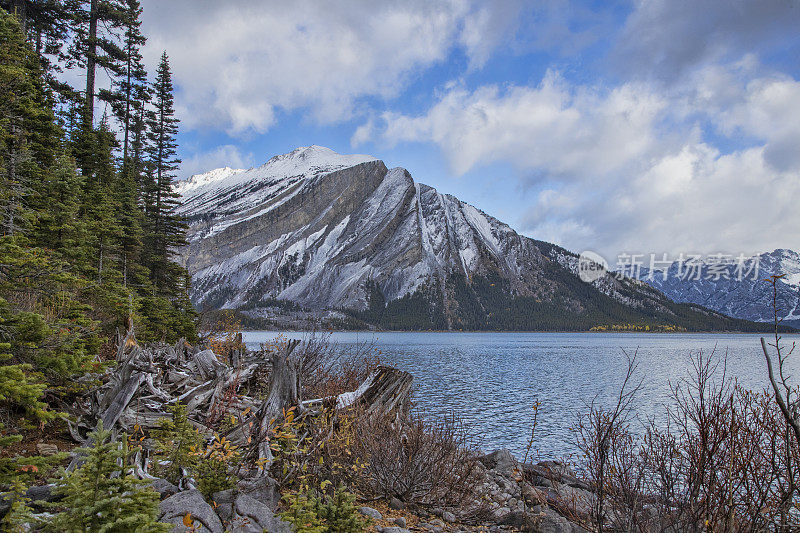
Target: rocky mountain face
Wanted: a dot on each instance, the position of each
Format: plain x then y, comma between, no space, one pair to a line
316,230
734,286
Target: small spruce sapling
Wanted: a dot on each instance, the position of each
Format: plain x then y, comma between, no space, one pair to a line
177,445
313,512
102,495
213,468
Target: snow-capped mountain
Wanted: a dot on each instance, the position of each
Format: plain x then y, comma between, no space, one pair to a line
329,231
734,286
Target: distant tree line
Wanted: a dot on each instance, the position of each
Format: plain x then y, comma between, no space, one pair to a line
487,302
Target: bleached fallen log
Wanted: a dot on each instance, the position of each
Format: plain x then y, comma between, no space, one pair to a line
147,379
385,390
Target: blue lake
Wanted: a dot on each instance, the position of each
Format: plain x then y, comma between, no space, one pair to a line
491,380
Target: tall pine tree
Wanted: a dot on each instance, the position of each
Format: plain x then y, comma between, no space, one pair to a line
131,92
96,28
47,26
165,231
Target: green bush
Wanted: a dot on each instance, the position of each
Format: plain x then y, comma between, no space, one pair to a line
212,472
311,512
178,445
102,495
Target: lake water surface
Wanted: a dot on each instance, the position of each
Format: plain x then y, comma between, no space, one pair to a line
491,380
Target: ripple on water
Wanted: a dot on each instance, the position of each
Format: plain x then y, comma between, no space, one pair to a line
490,380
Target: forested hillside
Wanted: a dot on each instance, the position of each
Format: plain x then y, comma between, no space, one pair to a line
88,234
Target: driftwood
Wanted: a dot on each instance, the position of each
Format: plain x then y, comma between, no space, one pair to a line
285,389
386,390
146,380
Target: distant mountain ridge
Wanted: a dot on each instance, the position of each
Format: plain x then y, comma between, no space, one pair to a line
734,286
325,231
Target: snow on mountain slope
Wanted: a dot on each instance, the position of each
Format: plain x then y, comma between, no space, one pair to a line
734,287
235,195
326,231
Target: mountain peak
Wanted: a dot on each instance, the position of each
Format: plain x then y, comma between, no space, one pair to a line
304,161
315,156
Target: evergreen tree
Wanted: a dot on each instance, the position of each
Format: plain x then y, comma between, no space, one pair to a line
131,91
96,27
99,208
46,23
58,225
165,231
129,221
28,136
102,495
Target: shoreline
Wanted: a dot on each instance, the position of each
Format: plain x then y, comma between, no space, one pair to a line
520,331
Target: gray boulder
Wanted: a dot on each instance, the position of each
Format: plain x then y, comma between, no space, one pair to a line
396,504
370,512
174,508
558,468
501,461
579,500
522,521
164,487
263,489
38,496
244,514
223,503
46,449
552,522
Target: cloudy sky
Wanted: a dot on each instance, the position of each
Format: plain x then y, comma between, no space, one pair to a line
645,126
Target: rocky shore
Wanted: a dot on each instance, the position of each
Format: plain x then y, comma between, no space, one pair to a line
502,494
545,497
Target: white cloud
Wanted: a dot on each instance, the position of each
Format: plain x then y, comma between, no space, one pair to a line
566,131
238,63
226,155
769,111
561,26
695,200
633,168
489,26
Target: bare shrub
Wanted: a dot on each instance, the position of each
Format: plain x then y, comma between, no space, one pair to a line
224,335
724,460
420,462
610,462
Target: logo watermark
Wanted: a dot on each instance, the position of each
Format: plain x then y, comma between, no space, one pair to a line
684,267
591,266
